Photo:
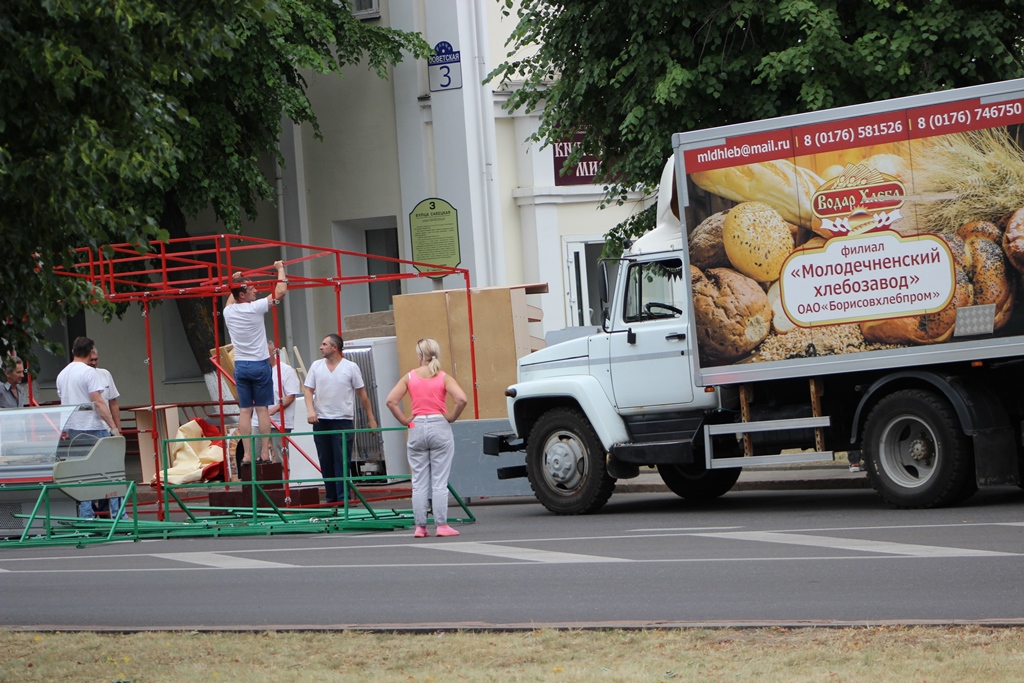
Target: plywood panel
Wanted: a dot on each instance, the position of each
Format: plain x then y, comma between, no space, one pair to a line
418,316
501,320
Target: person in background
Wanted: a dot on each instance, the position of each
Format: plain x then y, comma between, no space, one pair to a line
79,383
292,388
332,385
243,315
431,444
13,395
111,394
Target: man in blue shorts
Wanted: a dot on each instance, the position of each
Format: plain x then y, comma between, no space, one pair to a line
243,314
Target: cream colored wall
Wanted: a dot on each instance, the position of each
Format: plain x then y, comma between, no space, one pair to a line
588,219
511,223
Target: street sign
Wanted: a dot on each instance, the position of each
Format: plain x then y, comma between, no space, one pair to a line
444,69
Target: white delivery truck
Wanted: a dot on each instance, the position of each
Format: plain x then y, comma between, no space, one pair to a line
841,280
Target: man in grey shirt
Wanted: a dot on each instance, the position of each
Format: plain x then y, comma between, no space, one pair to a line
13,395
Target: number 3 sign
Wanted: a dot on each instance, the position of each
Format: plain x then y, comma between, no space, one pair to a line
444,69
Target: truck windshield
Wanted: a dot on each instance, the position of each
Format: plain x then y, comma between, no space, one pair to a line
654,291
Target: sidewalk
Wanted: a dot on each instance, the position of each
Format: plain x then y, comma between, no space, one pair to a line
836,476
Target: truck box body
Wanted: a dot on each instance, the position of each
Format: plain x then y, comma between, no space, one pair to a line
875,197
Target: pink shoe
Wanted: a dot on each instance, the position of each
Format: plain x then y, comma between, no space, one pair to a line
421,532
445,530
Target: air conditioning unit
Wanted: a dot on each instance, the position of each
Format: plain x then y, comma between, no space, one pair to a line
378,452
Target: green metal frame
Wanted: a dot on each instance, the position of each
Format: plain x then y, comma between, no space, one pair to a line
262,518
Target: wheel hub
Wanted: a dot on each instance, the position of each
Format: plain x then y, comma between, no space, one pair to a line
561,460
921,448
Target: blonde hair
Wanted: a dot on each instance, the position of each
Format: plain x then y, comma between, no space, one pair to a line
430,351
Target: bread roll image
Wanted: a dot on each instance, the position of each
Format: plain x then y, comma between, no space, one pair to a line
833,171
891,165
707,250
781,184
982,258
757,240
731,312
1013,238
780,321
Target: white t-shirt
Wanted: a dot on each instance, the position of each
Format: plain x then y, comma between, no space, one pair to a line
291,388
334,393
110,391
74,384
246,329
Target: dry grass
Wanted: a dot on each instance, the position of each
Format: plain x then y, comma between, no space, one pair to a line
897,654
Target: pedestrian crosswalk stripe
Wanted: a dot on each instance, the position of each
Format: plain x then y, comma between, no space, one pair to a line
907,549
528,554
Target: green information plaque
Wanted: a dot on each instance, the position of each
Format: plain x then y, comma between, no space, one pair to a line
434,227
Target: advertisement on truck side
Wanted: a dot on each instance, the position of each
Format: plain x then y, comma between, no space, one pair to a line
893,229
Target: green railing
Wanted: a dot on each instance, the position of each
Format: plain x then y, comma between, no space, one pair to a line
182,519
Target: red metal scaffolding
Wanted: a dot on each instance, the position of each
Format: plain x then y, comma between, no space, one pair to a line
203,267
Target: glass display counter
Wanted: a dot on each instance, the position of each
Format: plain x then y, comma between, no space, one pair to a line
34,451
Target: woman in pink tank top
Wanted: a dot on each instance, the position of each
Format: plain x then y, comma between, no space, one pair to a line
431,444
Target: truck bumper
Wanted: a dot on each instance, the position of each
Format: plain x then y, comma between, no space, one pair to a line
496,443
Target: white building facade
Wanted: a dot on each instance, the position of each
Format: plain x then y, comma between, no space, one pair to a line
429,131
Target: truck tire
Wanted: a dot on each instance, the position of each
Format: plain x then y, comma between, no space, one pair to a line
916,453
694,482
565,463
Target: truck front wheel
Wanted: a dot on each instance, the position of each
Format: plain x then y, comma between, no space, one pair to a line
565,463
917,454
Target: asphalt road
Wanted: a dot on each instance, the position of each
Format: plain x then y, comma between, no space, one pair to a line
766,557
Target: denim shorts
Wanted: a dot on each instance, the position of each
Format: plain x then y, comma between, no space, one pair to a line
254,382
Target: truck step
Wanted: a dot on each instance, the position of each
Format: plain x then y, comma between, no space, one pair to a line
764,426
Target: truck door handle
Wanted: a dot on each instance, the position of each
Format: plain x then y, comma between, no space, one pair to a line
681,336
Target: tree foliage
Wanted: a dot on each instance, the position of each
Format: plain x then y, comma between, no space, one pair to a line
119,118
630,74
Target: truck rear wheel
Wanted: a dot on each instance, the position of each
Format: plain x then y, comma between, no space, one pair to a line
916,453
565,463
694,482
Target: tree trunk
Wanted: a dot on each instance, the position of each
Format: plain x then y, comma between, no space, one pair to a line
196,313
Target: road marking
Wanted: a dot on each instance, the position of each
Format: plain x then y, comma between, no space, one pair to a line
221,561
908,549
690,528
509,553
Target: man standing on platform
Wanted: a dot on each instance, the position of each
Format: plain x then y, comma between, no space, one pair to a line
332,385
243,314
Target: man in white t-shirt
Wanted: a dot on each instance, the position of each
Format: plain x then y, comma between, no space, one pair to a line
332,386
282,399
79,383
243,314
110,394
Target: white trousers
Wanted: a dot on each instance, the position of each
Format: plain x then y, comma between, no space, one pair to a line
430,450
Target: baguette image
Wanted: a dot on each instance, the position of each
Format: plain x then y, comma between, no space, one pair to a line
781,184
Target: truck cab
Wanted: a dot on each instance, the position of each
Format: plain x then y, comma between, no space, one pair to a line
595,409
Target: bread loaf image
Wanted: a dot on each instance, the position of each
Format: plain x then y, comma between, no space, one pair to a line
757,240
732,314
707,250
781,184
